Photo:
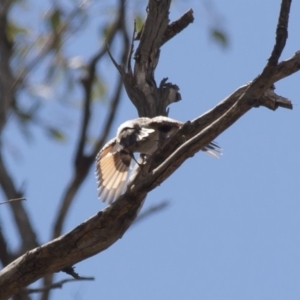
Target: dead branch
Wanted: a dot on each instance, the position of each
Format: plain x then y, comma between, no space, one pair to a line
102,230
151,210
23,223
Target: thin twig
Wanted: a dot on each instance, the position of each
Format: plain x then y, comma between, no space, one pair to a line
129,68
56,285
13,200
114,104
48,45
151,210
118,67
83,162
177,26
88,81
5,255
21,217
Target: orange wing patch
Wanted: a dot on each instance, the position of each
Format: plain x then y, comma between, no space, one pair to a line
111,173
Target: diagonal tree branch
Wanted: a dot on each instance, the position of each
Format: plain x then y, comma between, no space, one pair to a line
57,285
5,256
6,74
21,218
102,230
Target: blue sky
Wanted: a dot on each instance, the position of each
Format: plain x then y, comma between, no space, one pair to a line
232,228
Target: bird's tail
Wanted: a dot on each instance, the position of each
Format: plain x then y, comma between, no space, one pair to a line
213,149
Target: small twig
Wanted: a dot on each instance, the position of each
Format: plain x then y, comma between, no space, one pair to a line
13,200
70,270
287,67
151,210
20,215
174,28
5,256
177,26
118,67
129,68
56,285
115,101
87,83
47,46
85,161
281,32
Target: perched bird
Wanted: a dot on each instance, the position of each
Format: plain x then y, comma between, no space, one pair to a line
142,135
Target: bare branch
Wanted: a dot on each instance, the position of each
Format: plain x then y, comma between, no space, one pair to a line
99,232
6,74
48,45
71,271
25,228
193,137
281,32
129,68
87,83
102,230
118,67
5,255
84,162
89,238
57,285
13,200
177,26
287,67
141,87
152,210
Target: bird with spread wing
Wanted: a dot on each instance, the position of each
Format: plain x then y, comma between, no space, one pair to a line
142,135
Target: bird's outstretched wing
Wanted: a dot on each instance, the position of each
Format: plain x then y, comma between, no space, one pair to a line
111,171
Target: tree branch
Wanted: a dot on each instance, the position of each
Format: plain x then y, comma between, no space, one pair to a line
89,238
22,221
102,230
6,74
177,26
151,210
5,255
141,87
281,32
57,285
83,162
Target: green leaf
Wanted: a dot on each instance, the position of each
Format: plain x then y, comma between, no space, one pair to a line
107,30
56,134
139,22
219,36
55,19
99,88
13,30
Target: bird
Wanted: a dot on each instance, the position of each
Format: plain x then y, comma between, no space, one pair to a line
142,135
